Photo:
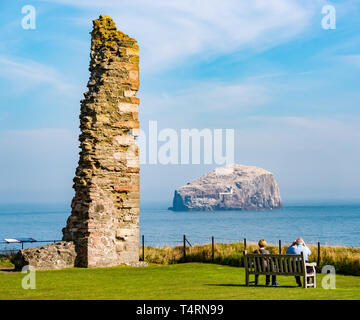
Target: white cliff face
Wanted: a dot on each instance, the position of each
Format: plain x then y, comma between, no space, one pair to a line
232,187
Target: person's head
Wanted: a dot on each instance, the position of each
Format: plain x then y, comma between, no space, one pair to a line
262,243
299,241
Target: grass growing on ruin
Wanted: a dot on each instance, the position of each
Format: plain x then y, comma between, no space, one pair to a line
177,281
346,260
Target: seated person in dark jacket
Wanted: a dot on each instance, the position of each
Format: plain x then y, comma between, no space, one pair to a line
262,250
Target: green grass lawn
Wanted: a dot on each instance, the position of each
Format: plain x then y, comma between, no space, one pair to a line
178,281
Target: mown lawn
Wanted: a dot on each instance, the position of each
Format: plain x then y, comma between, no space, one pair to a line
178,281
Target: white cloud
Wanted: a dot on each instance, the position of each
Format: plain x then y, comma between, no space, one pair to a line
36,139
28,73
190,106
170,31
311,157
352,59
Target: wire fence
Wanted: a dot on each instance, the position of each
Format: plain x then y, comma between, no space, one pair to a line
203,241
9,248
184,243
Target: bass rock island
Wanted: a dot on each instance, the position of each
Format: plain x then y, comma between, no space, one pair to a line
232,187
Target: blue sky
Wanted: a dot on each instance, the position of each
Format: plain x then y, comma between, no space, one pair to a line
266,68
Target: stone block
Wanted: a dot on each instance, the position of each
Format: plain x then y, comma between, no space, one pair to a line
54,256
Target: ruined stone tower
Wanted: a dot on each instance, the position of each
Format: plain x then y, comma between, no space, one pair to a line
104,223
103,228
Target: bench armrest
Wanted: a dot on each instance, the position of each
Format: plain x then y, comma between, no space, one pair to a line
310,264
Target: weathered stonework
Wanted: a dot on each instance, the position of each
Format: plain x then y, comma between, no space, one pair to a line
54,256
103,228
104,223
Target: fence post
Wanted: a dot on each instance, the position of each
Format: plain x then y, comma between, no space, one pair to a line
143,248
318,258
279,246
212,249
184,247
244,243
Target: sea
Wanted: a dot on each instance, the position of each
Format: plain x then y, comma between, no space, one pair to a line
329,224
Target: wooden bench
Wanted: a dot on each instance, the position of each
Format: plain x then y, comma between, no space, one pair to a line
280,265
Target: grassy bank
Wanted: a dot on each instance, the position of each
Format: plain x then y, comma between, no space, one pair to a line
5,261
346,260
177,281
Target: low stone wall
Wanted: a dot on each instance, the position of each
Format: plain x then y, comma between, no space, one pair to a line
54,256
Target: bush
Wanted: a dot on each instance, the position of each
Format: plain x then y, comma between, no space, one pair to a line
5,261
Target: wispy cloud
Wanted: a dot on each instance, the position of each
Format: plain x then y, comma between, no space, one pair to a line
352,59
171,31
332,127
28,73
201,104
311,157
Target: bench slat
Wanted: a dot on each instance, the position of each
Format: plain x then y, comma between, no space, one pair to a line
290,265
300,266
286,265
274,264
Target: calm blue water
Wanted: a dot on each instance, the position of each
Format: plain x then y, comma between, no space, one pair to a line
329,224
